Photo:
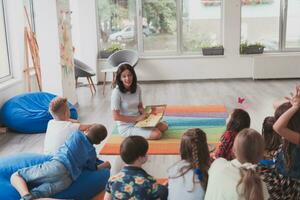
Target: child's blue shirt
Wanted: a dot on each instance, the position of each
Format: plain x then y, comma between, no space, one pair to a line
76,154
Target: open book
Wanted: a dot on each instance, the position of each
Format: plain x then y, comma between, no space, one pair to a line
156,112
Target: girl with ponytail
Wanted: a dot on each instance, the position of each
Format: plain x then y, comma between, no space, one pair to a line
188,177
238,179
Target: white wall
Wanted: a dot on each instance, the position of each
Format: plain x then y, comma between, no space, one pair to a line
48,41
84,31
277,66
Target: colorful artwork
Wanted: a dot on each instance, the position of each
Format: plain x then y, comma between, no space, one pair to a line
64,32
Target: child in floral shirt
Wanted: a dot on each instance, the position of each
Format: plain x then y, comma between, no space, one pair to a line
133,182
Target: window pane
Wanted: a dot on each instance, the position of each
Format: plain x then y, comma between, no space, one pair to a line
260,22
117,23
159,25
4,63
293,24
201,24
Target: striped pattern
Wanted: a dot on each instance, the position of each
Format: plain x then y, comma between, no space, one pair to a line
210,118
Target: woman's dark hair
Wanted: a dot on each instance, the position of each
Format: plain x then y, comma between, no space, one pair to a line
119,82
271,138
294,125
132,148
239,120
250,147
194,150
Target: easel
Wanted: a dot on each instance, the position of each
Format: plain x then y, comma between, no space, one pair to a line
30,41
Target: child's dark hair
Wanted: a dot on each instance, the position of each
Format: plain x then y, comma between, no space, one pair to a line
239,120
194,150
293,124
271,138
250,147
132,148
119,82
96,133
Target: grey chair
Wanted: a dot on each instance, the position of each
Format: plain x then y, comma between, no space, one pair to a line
83,70
116,59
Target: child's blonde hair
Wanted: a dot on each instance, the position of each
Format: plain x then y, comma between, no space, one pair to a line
249,148
58,106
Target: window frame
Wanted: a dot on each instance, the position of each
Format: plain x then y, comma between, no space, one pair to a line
178,51
7,47
283,15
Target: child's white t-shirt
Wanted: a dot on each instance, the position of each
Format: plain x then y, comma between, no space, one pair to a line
223,178
184,187
57,133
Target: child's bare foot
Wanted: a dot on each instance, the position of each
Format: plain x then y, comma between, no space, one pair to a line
104,165
162,126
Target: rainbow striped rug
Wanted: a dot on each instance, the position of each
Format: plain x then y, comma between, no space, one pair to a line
210,118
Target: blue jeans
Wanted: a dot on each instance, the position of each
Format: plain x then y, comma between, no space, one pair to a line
47,179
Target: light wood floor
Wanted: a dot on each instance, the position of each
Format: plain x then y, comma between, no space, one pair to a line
259,96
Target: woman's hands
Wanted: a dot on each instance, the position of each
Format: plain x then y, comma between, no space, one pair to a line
142,116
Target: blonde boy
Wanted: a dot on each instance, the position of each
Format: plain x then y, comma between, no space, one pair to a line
61,126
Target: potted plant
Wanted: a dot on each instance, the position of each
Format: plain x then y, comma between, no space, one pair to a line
212,50
254,48
110,50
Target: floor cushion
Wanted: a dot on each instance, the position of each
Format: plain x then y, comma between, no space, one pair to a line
28,112
88,184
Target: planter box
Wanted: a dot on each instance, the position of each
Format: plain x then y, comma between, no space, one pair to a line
104,54
252,50
213,51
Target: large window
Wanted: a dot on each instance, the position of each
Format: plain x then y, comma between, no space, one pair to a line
201,24
5,72
160,27
260,22
293,24
274,23
117,23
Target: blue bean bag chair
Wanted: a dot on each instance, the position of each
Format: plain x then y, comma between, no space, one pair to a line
28,113
88,184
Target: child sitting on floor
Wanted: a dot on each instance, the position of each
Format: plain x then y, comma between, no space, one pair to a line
271,138
133,182
54,176
188,177
238,179
61,126
239,119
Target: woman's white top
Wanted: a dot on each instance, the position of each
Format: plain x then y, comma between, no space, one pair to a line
223,180
127,103
185,187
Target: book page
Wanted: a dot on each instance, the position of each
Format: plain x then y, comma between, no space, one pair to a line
156,113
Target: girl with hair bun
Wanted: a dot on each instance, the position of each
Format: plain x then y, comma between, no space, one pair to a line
188,177
238,179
